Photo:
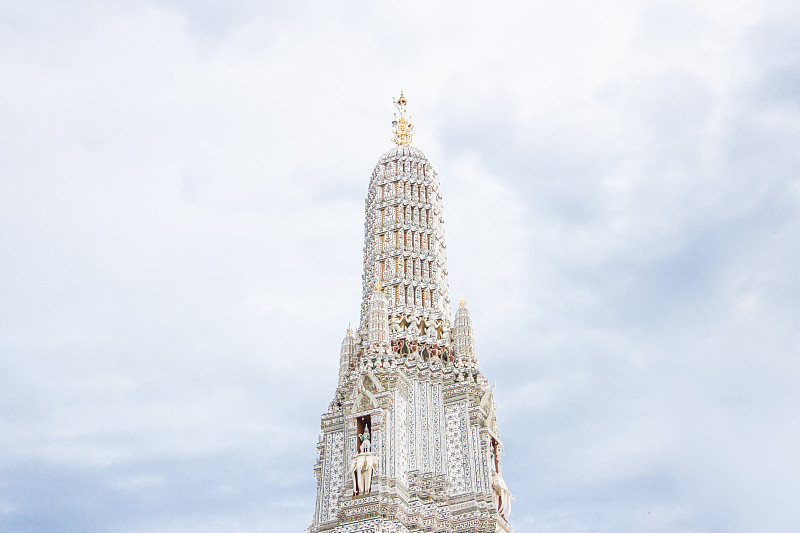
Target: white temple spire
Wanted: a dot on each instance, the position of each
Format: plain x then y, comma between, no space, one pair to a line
404,246
411,436
464,341
347,355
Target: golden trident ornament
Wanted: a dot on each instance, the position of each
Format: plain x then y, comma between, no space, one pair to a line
402,127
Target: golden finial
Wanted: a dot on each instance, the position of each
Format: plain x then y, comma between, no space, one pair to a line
402,127
378,286
463,303
349,330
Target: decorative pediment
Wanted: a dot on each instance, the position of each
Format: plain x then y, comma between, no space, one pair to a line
372,379
362,394
367,401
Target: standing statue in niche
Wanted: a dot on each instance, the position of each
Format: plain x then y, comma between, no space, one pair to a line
366,445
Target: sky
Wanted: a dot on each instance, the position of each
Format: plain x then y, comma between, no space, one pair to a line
181,233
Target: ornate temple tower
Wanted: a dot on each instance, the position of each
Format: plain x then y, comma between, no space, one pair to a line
410,441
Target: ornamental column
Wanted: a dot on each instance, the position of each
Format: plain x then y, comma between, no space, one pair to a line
378,318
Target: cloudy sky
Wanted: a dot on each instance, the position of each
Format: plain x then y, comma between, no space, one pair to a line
181,229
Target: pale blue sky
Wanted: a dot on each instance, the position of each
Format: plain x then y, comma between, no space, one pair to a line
181,230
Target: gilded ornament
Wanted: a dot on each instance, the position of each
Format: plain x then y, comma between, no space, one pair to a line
402,127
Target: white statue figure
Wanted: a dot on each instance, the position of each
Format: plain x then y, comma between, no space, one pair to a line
413,325
394,323
366,445
446,330
362,467
431,330
501,495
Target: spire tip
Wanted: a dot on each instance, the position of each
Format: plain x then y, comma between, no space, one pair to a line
402,127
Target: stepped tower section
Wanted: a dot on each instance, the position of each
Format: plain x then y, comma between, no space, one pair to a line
404,245
410,441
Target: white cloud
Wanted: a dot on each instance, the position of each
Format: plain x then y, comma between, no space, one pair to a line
182,202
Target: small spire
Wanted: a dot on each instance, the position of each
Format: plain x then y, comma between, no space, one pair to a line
402,126
349,330
378,286
463,303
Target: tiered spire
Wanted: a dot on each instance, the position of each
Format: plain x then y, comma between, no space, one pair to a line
347,355
463,340
412,427
404,246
